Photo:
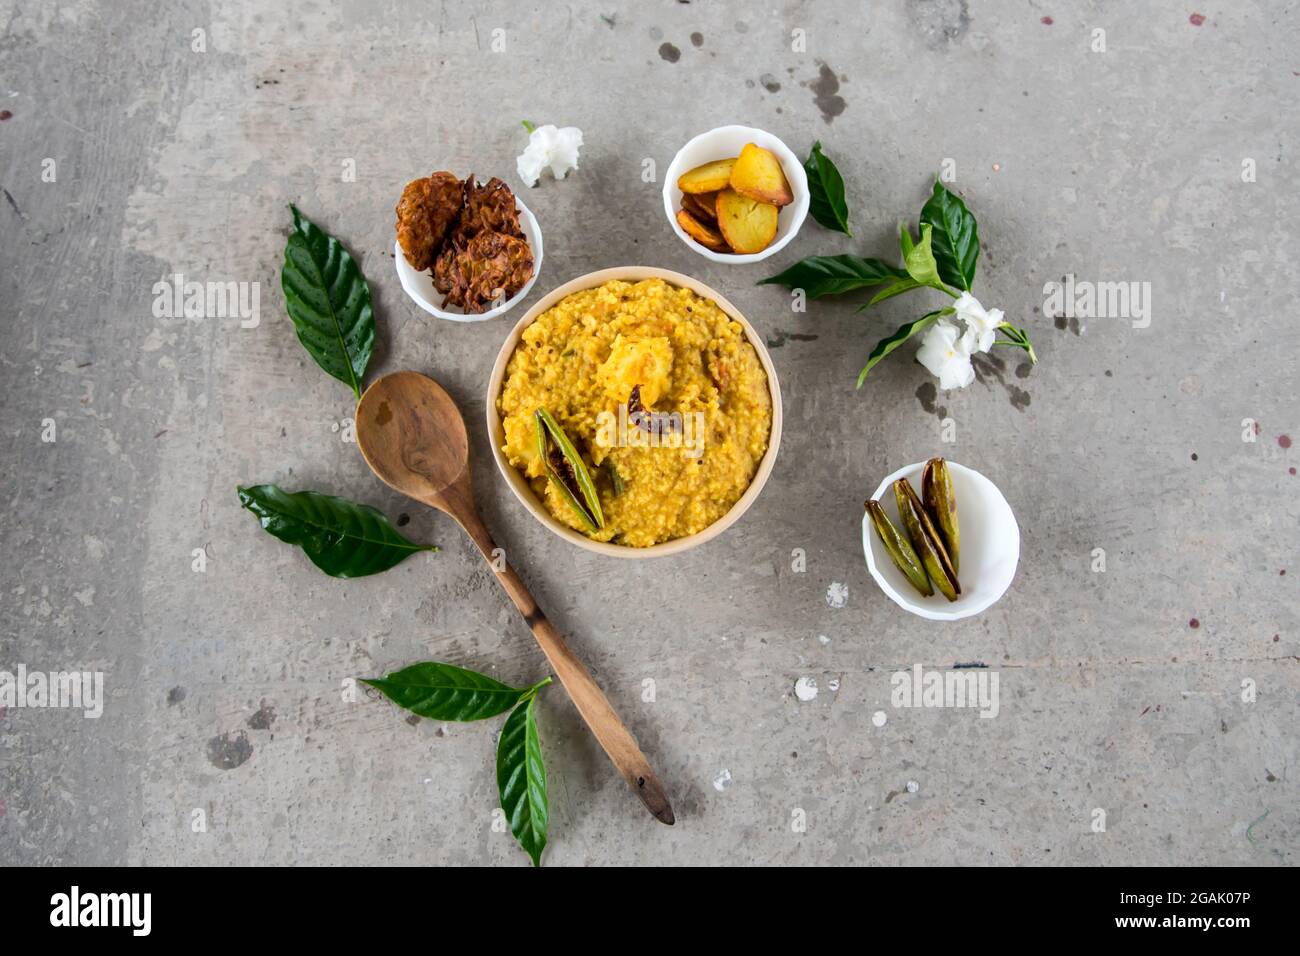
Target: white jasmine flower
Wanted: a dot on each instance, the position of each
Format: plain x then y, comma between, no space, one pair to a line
983,324
548,146
945,351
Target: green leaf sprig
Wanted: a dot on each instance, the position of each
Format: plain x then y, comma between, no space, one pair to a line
343,538
446,692
835,275
956,236
826,192
944,258
521,779
328,302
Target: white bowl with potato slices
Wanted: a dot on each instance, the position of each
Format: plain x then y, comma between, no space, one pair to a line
754,186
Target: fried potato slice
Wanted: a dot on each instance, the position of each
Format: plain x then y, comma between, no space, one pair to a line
707,178
758,175
747,225
703,206
702,233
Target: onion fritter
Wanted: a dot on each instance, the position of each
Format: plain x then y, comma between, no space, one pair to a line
490,207
426,212
492,265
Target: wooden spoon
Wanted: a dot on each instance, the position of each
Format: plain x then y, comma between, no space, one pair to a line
413,437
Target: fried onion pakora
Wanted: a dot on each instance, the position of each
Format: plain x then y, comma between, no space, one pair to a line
489,208
491,266
426,212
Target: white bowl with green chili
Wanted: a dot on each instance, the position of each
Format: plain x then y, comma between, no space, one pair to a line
990,546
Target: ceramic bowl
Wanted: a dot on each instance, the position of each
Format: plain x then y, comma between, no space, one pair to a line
520,486
419,285
719,144
990,546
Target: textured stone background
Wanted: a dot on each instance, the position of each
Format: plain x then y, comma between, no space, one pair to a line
1119,165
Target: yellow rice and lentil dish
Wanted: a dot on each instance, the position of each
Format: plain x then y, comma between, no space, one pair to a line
660,395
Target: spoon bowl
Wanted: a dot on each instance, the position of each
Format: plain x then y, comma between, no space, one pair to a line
413,437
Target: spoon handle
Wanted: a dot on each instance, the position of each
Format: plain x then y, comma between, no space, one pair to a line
587,696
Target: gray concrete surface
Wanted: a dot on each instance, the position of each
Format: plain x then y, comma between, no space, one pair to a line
1125,164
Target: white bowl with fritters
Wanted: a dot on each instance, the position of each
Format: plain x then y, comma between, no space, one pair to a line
419,285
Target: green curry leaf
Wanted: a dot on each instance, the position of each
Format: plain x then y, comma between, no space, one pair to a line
521,779
344,539
826,192
834,275
446,692
328,301
956,236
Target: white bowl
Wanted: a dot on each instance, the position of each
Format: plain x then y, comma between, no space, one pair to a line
990,546
728,141
419,285
519,484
